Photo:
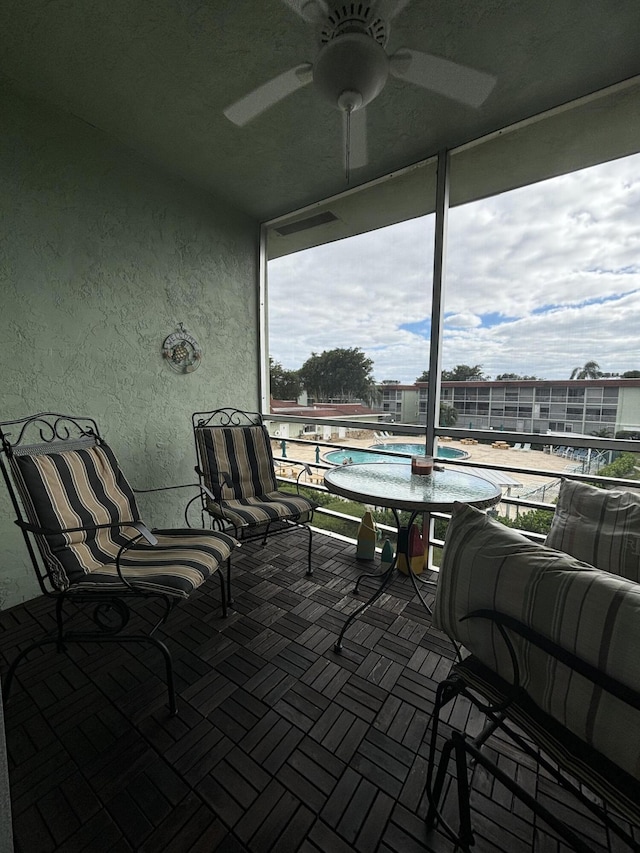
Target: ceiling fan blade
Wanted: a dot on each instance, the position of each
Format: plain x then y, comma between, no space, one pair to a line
388,9
354,137
447,78
268,94
311,11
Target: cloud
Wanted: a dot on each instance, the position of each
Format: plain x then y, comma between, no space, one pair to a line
464,320
538,281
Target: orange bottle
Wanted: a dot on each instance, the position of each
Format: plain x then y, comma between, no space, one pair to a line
415,551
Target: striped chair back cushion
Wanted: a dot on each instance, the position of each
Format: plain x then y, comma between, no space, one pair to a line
75,488
592,613
242,452
598,526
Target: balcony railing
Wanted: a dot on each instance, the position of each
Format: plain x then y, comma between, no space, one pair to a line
311,451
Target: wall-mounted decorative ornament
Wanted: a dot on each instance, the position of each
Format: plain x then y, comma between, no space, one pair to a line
182,351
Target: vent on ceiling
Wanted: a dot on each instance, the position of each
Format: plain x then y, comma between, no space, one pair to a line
305,224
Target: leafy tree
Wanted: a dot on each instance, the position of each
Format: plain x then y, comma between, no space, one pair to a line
464,373
631,374
339,373
591,370
448,415
507,377
605,432
285,384
424,376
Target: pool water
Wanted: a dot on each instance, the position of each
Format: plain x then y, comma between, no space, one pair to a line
337,457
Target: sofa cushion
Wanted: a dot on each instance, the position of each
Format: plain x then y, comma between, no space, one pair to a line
598,526
591,613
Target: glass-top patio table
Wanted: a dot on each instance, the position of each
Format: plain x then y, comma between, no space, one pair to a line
393,486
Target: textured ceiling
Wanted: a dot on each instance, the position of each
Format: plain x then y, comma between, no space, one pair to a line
156,74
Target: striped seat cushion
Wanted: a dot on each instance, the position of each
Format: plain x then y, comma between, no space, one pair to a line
598,526
592,614
266,509
236,461
84,488
176,566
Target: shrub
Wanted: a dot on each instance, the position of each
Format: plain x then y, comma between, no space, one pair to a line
535,521
623,466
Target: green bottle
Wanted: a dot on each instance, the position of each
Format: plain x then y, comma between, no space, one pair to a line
387,555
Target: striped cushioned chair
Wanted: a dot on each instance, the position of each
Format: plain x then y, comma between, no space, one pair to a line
75,506
239,486
553,648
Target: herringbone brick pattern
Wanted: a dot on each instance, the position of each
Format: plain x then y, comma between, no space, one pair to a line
281,744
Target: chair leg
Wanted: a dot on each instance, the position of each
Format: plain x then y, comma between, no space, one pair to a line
8,681
434,793
445,692
464,837
464,792
168,662
223,594
89,638
309,568
229,597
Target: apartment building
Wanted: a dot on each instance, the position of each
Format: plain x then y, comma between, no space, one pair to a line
580,406
399,403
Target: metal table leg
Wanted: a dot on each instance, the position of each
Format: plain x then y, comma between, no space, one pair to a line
387,576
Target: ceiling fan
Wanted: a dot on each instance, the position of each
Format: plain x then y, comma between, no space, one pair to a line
352,67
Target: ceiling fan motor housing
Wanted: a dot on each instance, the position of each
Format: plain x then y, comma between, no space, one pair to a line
351,63
355,18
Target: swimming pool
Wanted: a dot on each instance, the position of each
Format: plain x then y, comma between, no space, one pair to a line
337,457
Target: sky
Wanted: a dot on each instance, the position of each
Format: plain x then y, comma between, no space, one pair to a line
539,280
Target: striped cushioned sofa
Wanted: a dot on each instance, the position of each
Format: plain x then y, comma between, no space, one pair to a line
550,643
239,487
78,512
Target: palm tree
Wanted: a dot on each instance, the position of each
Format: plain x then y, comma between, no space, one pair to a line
591,370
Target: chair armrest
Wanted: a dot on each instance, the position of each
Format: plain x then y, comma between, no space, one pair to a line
48,531
306,469
146,533
597,676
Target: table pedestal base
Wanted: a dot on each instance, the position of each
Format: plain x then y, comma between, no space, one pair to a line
386,577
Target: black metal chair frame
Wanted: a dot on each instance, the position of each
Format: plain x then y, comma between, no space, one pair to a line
230,417
108,610
497,704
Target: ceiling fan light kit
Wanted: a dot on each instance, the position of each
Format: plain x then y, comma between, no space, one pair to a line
352,62
352,68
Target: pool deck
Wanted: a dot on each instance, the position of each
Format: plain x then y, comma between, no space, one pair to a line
481,453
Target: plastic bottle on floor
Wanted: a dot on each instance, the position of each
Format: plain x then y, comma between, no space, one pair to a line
387,555
366,539
416,552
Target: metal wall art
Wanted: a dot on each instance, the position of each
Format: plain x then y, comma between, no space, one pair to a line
182,351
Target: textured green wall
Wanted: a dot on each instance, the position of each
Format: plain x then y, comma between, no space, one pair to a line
101,255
